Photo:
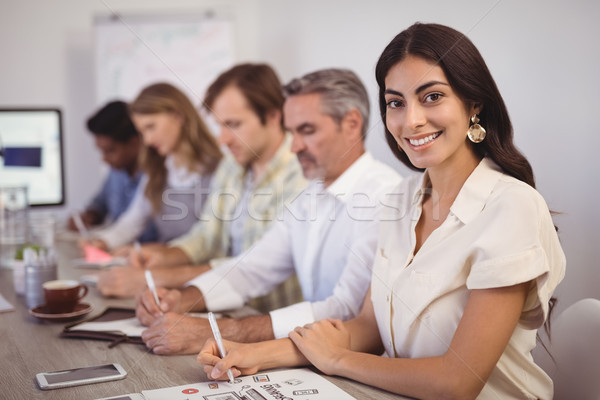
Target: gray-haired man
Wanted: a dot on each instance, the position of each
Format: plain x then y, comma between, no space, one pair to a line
328,234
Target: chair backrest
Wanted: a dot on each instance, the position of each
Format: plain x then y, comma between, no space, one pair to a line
575,346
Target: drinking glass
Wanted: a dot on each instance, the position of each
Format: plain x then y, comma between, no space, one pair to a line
14,221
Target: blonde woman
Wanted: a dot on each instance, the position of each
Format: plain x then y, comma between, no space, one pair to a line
179,158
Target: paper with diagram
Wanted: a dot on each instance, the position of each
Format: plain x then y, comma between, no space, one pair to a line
297,384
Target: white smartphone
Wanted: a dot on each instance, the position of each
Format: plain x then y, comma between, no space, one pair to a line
80,376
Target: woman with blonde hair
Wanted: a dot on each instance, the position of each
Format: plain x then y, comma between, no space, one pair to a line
179,158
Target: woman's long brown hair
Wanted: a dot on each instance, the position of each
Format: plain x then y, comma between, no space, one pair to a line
197,147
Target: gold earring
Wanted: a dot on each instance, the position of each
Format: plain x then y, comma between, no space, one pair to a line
476,132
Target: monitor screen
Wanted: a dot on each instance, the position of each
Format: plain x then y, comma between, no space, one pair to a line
31,153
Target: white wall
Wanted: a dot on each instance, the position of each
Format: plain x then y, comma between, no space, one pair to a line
543,57
541,52
47,57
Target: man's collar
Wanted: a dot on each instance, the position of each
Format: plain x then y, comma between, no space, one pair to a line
342,187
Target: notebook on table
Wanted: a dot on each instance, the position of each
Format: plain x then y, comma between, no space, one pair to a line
118,325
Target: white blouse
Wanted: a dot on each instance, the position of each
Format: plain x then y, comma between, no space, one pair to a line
498,233
182,201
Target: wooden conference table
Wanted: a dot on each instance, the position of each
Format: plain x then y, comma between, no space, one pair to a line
29,346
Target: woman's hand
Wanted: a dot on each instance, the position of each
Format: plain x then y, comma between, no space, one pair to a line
323,343
242,358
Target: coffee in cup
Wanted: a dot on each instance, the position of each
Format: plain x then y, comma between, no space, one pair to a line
63,295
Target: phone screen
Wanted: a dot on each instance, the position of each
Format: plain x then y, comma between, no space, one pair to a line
78,374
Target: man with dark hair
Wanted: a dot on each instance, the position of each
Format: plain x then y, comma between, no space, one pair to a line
119,142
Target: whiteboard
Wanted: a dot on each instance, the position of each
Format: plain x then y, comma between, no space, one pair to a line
132,52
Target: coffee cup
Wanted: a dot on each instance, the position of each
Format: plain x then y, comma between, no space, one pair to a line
63,295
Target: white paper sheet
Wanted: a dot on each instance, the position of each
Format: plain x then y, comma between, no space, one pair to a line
129,326
83,263
297,384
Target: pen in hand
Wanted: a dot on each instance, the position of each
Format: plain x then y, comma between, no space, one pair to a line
152,286
147,274
217,334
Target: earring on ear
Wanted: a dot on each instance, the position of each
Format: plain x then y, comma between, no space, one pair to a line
476,132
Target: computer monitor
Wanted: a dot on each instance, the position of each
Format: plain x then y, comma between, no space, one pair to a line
31,153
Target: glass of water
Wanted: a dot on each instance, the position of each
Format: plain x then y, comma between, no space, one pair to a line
14,221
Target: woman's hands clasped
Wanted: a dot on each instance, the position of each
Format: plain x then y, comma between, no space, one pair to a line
323,343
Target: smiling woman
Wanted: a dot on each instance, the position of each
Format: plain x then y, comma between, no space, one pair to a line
179,158
427,119
468,260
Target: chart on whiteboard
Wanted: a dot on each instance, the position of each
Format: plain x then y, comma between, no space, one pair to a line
134,52
297,384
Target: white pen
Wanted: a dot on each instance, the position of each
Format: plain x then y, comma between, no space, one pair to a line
151,286
217,334
80,225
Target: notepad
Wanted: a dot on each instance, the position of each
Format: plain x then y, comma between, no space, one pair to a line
96,255
97,258
113,323
82,263
129,326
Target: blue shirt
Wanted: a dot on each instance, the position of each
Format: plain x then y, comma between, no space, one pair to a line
115,196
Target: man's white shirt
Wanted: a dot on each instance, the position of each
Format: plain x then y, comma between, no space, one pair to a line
328,236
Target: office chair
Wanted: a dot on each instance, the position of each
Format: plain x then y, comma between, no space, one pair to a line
575,347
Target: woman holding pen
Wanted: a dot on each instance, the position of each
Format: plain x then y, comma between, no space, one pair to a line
179,158
465,268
